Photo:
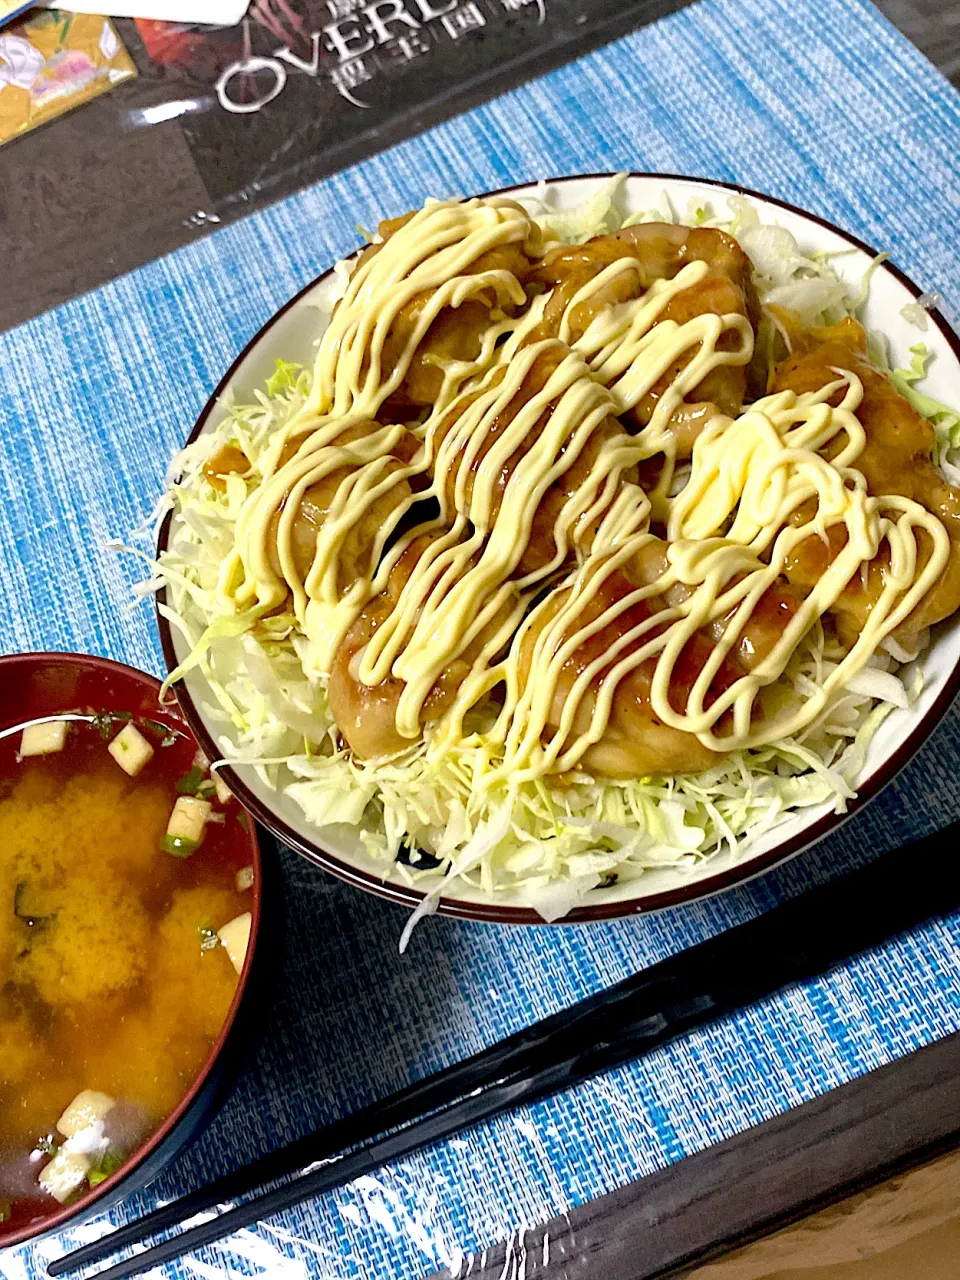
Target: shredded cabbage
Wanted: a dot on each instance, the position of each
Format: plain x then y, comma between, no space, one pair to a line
945,420
553,845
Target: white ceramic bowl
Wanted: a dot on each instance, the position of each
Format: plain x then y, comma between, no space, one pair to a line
292,335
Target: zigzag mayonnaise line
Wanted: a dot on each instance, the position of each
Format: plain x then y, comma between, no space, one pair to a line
629,349
430,254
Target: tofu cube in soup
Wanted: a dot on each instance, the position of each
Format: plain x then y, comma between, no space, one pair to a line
186,826
65,1174
235,937
130,749
244,879
87,1108
43,739
224,794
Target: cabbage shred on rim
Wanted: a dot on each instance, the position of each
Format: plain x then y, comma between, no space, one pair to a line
551,846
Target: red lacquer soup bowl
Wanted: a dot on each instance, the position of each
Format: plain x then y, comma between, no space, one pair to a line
131,898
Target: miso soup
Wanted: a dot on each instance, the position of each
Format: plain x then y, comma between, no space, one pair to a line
124,921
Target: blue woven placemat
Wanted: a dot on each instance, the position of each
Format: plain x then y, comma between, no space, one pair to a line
820,102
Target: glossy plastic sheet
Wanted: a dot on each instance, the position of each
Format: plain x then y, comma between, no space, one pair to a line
220,121
903,1229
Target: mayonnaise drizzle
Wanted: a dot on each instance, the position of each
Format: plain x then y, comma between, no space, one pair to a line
431,255
759,469
630,349
467,597
432,625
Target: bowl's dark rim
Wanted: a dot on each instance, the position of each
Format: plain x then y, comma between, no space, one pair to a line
82,1207
492,912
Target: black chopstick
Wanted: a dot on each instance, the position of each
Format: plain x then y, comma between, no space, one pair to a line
799,940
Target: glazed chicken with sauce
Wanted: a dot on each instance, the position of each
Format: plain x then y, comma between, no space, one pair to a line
897,459
364,714
359,552
659,251
455,334
635,741
571,465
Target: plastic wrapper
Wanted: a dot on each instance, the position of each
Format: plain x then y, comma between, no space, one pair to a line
52,62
